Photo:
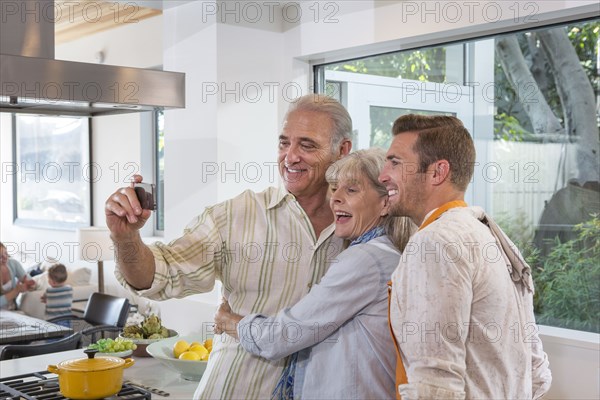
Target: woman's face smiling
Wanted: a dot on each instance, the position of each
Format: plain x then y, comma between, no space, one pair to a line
357,207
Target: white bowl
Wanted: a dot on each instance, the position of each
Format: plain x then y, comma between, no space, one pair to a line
122,354
163,351
141,344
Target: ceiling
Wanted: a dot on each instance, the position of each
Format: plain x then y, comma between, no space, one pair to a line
85,17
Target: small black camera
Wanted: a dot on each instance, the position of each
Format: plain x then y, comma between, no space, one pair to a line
146,195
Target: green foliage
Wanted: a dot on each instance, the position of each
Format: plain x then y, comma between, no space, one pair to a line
507,127
568,281
585,38
382,119
427,65
517,226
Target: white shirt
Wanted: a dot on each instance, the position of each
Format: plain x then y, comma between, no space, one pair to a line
464,328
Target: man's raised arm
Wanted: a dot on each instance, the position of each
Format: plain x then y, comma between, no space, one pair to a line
124,218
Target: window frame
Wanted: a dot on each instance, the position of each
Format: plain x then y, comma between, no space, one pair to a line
473,32
160,206
565,17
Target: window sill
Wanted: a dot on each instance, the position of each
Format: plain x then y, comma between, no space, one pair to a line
585,340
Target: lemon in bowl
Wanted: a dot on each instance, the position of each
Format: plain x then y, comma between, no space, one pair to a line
183,354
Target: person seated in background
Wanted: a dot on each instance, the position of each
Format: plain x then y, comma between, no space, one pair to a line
13,278
340,344
59,296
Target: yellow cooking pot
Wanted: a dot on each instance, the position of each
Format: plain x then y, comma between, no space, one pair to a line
91,378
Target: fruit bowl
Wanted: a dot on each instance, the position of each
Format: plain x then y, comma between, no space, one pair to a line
188,369
142,344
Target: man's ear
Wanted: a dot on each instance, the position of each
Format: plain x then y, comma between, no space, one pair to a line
441,172
345,148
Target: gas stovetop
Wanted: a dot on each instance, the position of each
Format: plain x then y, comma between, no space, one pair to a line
43,385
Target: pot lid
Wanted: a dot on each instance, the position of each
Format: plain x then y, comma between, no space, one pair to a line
91,364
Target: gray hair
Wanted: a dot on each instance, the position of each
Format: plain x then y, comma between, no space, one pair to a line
342,123
369,163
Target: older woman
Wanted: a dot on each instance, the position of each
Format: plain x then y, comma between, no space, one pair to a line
13,280
338,334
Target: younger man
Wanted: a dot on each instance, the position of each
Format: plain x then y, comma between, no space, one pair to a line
462,295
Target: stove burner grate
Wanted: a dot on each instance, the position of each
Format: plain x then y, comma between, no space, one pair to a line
43,385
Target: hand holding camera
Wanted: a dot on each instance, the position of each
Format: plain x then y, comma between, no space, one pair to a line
146,195
128,209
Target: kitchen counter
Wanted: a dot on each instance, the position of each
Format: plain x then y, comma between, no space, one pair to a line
146,371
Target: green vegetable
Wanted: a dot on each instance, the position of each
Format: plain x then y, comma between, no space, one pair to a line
109,345
150,328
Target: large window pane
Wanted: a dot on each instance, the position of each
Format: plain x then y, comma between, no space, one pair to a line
52,172
530,100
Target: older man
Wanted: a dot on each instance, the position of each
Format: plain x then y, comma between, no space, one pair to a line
291,226
462,296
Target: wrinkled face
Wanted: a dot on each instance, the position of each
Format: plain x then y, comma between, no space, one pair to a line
406,187
305,152
357,207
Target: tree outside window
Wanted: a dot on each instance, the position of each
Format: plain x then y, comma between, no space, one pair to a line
539,152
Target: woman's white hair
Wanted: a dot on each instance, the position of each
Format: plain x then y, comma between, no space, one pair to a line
369,163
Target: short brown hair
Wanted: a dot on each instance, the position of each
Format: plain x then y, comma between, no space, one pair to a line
58,273
441,137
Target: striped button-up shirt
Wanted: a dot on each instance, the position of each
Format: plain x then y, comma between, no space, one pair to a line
264,250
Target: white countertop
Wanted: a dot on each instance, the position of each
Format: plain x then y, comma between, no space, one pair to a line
146,371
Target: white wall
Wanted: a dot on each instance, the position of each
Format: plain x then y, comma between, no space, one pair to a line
190,46
219,145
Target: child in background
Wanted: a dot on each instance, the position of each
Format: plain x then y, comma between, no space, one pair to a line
59,296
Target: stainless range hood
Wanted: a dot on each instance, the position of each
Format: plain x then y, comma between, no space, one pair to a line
32,81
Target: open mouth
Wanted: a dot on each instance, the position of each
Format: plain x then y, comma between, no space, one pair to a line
342,216
392,192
